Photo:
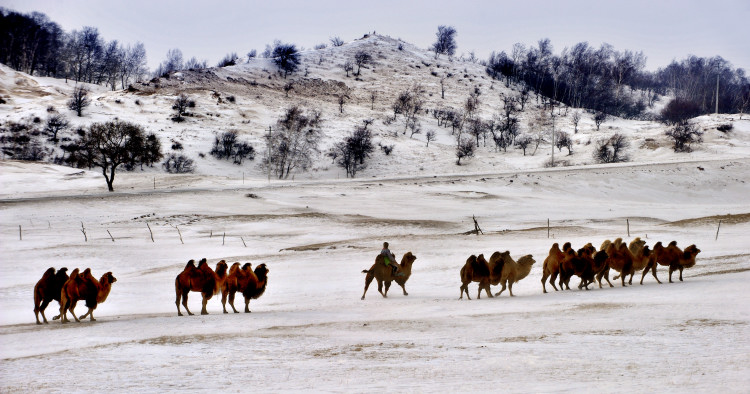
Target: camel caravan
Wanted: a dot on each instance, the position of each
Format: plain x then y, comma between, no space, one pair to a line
560,265
68,290
590,265
251,283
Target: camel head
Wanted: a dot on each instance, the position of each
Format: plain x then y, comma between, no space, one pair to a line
221,267
691,251
261,271
408,259
527,260
108,278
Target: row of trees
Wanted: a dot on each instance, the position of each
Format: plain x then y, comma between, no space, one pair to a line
615,82
37,46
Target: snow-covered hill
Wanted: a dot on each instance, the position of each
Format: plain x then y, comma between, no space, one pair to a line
259,99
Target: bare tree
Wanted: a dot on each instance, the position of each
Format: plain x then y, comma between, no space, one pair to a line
116,143
55,124
180,107
336,41
79,100
576,118
563,140
361,58
465,148
286,57
523,142
599,118
348,66
294,142
373,97
446,41
430,136
442,87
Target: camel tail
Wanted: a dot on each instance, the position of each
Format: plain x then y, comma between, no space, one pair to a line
365,271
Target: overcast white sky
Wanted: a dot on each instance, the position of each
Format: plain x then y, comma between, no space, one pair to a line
663,29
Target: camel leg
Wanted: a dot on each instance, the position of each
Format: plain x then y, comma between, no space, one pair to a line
247,305
72,310
487,290
387,286
231,301
185,300
368,280
89,313
224,301
510,288
622,280
644,273
63,311
545,275
501,290
681,273
40,309
177,302
653,272
404,288
670,274
380,288
552,280
464,288
205,302
630,282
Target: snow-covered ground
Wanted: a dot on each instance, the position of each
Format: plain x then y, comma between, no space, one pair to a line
310,330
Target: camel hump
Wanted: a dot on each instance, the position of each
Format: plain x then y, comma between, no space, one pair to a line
74,274
50,272
190,263
247,266
202,262
673,243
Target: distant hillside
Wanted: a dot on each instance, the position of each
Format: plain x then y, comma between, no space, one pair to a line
249,98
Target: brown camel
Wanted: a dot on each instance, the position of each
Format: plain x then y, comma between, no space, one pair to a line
48,289
85,287
646,260
476,269
620,259
202,279
675,258
579,263
384,274
552,263
596,263
510,270
252,284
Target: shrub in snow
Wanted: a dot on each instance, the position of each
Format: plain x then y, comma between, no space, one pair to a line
611,150
683,135
178,164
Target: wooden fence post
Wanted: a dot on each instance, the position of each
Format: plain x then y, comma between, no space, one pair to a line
627,221
110,235
150,232
83,230
717,231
